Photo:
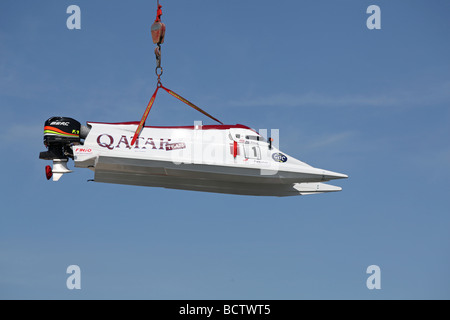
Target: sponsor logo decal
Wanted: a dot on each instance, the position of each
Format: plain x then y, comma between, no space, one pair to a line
83,150
142,143
175,146
279,157
59,123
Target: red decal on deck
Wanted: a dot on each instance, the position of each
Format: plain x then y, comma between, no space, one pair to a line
175,146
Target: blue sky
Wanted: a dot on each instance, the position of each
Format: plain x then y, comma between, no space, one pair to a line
373,104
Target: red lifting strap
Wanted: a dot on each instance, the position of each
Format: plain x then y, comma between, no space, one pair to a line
144,117
150,104
190,104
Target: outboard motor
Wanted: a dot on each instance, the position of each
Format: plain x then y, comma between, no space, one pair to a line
60,133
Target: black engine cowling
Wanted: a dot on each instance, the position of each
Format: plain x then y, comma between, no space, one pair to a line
59,134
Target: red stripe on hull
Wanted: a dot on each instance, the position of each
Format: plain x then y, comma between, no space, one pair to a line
205,127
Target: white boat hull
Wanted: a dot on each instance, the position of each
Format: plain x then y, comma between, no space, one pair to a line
208,178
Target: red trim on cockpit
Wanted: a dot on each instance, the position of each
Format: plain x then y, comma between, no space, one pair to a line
204,127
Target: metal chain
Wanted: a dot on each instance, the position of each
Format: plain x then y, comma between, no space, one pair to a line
159,69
